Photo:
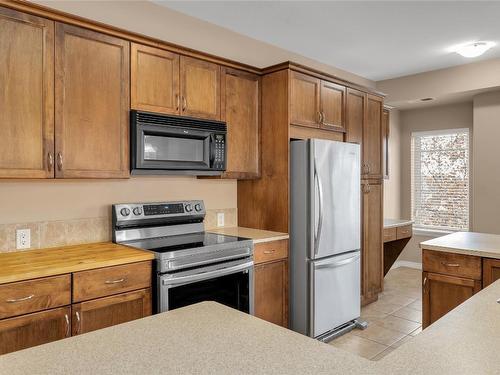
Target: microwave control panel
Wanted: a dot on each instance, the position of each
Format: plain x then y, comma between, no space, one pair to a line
220,152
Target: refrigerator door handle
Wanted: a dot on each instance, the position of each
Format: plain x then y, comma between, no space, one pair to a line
337,264
320,204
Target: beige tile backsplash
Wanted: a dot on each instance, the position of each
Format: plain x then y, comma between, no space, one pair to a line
78,231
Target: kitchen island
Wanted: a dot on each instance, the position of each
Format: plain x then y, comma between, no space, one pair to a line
210,338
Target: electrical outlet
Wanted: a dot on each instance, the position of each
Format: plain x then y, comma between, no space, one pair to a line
23,238
220,219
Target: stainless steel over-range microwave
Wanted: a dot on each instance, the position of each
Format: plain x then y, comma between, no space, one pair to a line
166,144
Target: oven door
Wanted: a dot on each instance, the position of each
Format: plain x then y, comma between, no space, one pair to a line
229,283
172,148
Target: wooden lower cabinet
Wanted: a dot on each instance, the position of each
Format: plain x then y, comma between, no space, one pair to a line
271,292
34,329
442,293
109,311
491,271
372,250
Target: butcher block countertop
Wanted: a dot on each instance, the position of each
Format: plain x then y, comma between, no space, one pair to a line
31,264
468,243
257,235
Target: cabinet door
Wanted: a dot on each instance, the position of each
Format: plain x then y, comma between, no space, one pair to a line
372,241
240,109
34,329
385,142
332,106
154,78
200,88
109,311
372,138
271,292
442,293
491,271
92,104
26,95
355,118
304,100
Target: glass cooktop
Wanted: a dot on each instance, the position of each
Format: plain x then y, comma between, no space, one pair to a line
185,241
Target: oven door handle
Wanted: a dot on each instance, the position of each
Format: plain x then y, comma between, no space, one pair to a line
175,280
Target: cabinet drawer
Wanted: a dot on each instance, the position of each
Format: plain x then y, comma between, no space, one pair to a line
111,280
452,264
268,251
389,234
404,232
34,295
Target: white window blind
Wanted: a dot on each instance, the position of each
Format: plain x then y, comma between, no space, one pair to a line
440,179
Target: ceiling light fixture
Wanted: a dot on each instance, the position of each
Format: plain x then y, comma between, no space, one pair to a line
473,49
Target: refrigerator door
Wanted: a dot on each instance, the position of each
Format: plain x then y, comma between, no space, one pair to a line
335,197
335,291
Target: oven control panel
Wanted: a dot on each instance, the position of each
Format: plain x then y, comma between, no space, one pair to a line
158,210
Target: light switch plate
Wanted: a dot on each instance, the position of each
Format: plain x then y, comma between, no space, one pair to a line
220,219
23,239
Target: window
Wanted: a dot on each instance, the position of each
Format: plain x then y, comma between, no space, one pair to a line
440,179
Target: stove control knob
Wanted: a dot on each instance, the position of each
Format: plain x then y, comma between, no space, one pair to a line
188,208
137,211
125,211
197,207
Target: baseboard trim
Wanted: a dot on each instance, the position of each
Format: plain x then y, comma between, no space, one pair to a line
404,263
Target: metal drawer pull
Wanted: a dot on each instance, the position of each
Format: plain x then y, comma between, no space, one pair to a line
425,280
67,324
114,281
269,251
14,300
77,314
450,264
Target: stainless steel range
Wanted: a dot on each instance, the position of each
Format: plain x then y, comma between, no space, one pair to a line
191,265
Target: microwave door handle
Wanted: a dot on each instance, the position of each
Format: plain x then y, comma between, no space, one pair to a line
212,150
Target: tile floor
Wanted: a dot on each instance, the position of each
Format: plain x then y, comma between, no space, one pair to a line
393,320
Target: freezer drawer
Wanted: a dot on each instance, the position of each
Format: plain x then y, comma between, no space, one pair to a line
335,294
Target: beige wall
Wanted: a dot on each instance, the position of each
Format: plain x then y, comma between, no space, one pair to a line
459,115
442,84
392,185
486,164
156,21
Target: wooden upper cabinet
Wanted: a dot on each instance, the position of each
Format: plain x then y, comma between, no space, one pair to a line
108,311
372,241
34,329
372,138
355,117
91,104
154,82
200,88
26,95
240,106
332,105
304,100
385,142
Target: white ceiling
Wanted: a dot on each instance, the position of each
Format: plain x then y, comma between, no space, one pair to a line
374,39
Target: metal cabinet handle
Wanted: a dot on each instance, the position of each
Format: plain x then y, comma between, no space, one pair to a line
66,317
14,300
79,326
184,103
177,101
59,161
50,161
269,251
319,117
450,264
322,117
366,188
114,281
369,168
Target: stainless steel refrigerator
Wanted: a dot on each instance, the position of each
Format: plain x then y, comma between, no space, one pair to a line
325,237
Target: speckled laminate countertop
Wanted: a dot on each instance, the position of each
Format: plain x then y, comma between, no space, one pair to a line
209,338
257,235
469,243
394,223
